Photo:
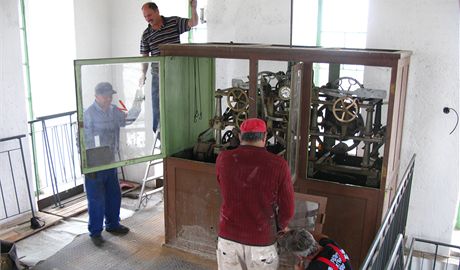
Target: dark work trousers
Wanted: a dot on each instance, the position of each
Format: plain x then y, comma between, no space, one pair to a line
155,98
104,200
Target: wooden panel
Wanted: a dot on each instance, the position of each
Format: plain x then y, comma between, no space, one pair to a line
352,214
369,57
192,204
21,229
302,203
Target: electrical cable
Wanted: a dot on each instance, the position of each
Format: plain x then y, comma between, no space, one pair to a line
446,110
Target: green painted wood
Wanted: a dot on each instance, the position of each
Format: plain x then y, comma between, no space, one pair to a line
188,90
334,72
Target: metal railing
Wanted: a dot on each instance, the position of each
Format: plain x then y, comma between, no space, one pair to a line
396,260
393,226
445,256
11,190
55,156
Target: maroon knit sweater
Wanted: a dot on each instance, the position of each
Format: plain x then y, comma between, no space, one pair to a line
251,181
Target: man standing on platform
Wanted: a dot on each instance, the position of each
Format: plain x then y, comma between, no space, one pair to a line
161,30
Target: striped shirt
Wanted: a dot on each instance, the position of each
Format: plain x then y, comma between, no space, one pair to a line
168,34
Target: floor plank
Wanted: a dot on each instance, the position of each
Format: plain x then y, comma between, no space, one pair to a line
78,204
23,229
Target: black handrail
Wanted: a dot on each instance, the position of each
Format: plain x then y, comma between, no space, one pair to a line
57,147
52,116
408,264
34,220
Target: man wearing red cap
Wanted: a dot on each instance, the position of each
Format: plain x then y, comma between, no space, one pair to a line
257,201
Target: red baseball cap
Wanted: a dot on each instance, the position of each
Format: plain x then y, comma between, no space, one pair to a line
253,125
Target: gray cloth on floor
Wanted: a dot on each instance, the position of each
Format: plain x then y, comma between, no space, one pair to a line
141,248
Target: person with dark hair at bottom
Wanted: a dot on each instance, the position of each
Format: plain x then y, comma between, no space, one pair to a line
102,121
321,253
257,195
161,30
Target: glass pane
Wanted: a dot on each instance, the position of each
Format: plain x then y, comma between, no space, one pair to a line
232,98
117,113
273,102
305,215
348,127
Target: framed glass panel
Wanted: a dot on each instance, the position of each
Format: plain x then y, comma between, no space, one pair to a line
310,213
347,130
114,108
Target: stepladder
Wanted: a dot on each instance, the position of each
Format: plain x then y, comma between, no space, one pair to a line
152,174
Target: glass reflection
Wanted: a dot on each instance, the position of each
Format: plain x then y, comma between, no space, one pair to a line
117,114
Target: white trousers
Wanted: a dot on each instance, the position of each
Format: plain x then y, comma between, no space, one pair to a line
235,256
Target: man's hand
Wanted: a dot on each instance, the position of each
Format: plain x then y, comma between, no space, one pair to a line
193,21
299,265
283,231
193,4
139,96
142,80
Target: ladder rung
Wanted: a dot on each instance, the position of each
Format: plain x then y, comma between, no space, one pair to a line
155,162
150,192
151,178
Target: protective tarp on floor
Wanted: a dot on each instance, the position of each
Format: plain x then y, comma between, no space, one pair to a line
140,249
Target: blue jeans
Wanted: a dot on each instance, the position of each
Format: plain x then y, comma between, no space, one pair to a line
104,200
155,100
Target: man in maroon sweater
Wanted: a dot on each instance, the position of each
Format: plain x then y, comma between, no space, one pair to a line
254,183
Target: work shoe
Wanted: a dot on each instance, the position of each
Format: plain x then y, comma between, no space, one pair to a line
98,241
120,230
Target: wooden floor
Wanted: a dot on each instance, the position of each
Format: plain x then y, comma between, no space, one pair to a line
21,229
78,204
69,208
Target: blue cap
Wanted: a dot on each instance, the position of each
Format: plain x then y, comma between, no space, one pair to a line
104,89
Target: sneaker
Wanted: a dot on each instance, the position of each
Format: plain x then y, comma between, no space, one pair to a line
97,240
120,230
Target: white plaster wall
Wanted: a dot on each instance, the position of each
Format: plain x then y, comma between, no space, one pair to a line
92,29
244,21
240,21
128,24
430,29
13,116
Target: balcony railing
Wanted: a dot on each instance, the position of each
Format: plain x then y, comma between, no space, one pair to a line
14,181
57,167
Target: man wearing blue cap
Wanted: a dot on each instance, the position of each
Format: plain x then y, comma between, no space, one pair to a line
102,121
257,201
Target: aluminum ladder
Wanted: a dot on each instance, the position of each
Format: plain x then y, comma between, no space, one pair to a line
145,196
